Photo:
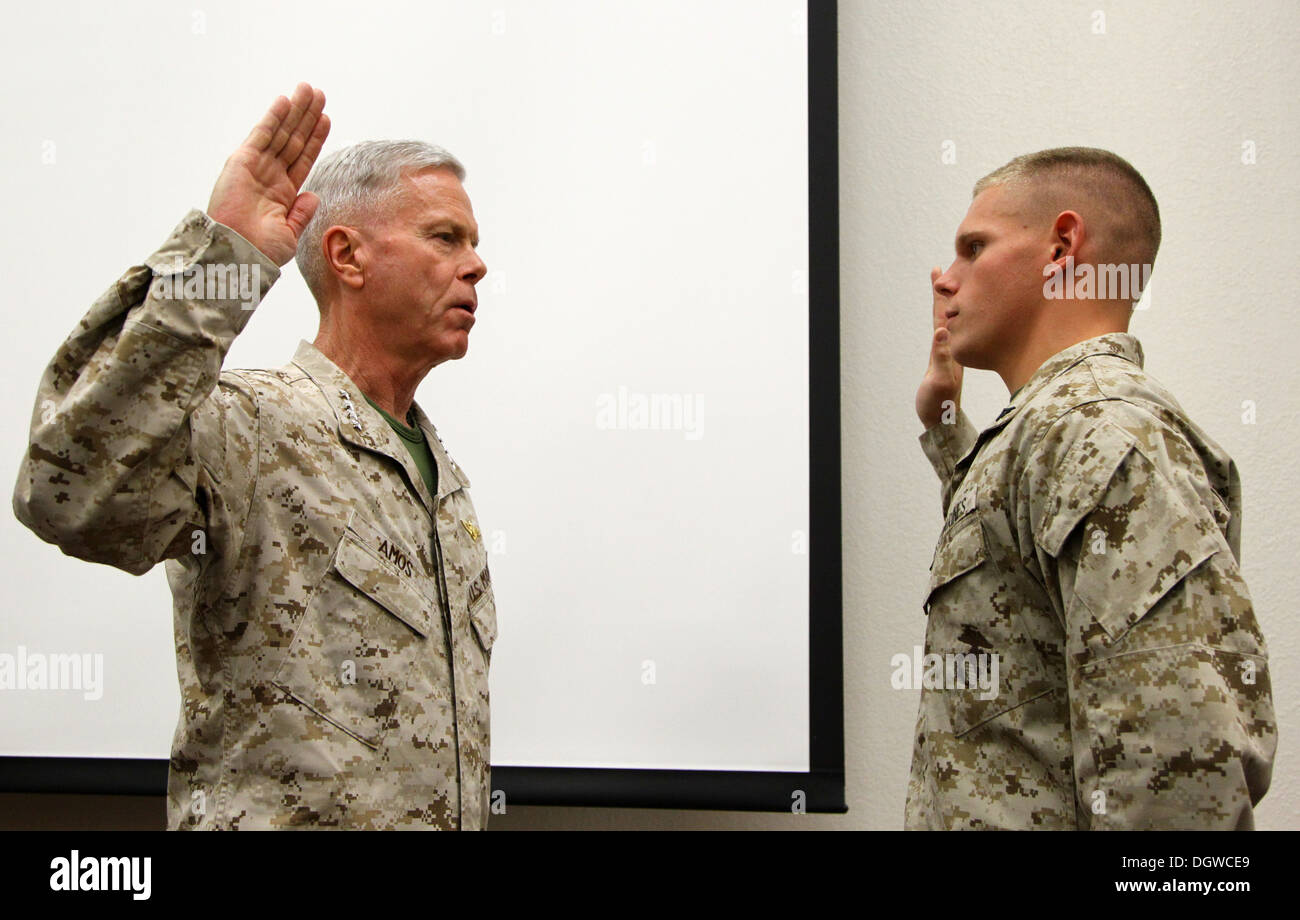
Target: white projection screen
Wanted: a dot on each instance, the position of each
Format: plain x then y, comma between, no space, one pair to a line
649,410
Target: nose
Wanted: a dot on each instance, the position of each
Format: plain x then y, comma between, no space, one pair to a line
945,284
474,269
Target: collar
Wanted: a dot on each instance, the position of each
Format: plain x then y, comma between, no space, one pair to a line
360,424
1113,344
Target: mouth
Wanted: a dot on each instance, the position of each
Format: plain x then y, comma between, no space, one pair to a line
469,306
950,314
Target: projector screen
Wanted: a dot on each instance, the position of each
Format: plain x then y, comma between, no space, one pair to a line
648,410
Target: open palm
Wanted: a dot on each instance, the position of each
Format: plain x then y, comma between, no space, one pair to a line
256,194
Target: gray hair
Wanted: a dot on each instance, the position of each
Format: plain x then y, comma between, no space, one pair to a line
353,182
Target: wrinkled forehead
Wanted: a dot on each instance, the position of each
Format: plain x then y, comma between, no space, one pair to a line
435,190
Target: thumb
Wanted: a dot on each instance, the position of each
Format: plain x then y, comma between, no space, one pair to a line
300,215
940,351
942,362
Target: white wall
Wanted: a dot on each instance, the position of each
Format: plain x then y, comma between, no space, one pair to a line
1176,88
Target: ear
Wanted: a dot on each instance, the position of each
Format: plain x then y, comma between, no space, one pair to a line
344,255
1067,236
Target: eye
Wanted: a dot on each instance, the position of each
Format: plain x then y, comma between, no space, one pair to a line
974,244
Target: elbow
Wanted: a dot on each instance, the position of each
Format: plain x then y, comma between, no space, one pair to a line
80,529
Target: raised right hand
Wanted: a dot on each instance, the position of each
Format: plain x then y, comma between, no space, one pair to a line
256,194
940,388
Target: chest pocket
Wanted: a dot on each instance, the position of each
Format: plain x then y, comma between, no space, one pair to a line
362,645
465,558
483,610
961,548
980,660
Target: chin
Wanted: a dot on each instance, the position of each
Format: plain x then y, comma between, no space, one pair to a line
957,347
967,356
442,355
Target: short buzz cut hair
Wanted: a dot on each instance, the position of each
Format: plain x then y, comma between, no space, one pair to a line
1102,186
351,184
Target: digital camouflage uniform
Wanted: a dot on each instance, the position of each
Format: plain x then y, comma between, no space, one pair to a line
1091,542
333,621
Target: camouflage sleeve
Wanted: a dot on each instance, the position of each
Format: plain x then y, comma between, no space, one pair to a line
945,444
1170,706
130,431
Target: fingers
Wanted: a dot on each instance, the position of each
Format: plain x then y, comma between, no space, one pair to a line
298,104
276,128
264,131
294,131
302,132
302,166
940,306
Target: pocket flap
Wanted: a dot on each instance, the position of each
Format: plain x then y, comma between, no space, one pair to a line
1139,542
483,610
961,549
382,583
1079,483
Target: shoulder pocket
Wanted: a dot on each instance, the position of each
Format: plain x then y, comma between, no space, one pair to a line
1136,537
1078,483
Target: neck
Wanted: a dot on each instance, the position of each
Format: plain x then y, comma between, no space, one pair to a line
380,375
1053,339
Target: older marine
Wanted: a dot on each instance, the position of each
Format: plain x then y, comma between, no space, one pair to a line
334,614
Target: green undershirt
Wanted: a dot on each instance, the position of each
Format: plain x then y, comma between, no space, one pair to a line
418,447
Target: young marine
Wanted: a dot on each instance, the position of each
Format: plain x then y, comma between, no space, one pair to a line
1091,535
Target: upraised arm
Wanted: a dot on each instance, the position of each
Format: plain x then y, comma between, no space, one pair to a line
131,427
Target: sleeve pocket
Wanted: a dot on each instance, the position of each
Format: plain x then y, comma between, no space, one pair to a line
1136,537
1079,483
